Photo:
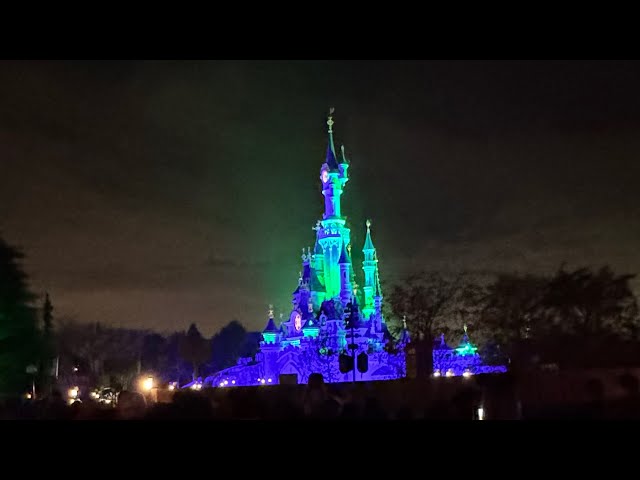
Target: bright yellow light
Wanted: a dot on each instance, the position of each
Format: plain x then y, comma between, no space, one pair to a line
28,395
449,373
172,386
436,373
147,383
480,413
466,374
73,392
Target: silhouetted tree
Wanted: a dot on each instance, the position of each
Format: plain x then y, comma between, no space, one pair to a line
194,349
47,316
587,303
20,341
154,352
430,301
512,308
102,353
227,346
48,344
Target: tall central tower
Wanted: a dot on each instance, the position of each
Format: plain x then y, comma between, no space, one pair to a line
333,236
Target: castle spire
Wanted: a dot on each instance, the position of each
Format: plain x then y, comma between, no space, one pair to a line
331,160
344,255
344,157
271,325
368,244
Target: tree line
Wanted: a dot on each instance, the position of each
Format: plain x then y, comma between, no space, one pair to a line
36,347
581,317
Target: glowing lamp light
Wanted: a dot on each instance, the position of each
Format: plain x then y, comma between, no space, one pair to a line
107,401
226,382
233,382
172,386
73,392
28,396
222,384
436,373
268,381
467,374
449,373
262,381
480,413
147,383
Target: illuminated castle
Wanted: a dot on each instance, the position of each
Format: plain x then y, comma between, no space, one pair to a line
326,298
332,316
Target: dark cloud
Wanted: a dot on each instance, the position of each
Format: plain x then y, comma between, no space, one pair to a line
163,193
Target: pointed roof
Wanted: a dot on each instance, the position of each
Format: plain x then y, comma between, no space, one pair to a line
405,337
311,323
344,157
344,255
386,334
306,273
440,343
271,325
314,282
378,292
331,160
368,244
466,347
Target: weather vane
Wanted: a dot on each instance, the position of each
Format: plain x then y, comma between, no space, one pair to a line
270,311
465,328
317,227
330,119
404,321
368,223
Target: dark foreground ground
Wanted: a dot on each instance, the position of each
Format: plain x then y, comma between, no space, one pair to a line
590,395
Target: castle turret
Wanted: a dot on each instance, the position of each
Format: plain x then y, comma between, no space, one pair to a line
345,275
369,265
271,333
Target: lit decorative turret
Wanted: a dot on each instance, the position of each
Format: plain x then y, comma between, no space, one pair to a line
370,267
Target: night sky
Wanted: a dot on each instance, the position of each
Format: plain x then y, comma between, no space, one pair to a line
157,194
